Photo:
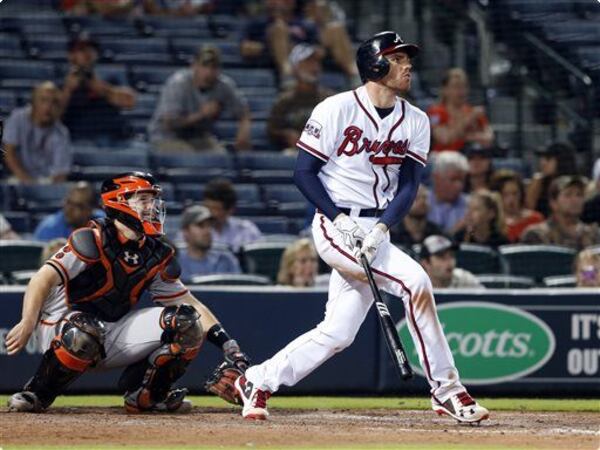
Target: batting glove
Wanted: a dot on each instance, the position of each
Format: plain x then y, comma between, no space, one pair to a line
352,234
372,242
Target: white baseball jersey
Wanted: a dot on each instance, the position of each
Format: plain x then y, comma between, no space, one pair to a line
363,153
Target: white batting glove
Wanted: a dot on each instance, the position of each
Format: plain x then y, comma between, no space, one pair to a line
372,242
352,234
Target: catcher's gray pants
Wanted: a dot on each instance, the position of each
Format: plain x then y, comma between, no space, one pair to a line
130,339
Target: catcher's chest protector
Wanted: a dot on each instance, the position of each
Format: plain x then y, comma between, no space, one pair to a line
112,284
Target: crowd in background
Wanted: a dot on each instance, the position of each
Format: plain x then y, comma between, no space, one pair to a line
466,200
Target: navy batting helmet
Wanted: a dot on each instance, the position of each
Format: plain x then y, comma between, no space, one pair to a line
370,57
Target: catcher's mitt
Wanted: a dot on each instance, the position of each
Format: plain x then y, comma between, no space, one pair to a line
221,380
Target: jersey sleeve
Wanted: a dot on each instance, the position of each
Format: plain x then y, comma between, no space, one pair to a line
318,135
419,147
165,290
66,263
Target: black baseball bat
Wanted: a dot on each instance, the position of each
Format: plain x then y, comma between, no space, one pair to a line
387,324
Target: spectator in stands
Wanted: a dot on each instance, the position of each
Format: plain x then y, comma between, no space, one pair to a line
292,109
190,103
480,167
447,202
415,227
299,264
6,231
220,198
484,221
92,106
564,226
587,267
37,144
591,209
554,160
51,248
438,258
199,257
77,211
509,185
272,37
454,122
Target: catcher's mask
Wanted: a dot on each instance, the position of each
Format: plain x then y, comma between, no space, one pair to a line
134,198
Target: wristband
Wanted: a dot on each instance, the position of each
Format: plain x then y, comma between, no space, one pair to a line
218,336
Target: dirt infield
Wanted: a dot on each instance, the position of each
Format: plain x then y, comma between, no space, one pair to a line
218,427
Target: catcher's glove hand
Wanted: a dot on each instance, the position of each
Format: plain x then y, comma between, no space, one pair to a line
221,381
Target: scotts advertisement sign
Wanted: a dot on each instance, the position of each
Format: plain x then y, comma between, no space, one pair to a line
491,343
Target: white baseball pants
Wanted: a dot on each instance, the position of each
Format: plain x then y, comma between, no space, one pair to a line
349,301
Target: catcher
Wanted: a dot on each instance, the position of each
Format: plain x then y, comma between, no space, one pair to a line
79,305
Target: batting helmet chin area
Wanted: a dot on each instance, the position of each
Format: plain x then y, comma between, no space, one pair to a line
370,56
122,200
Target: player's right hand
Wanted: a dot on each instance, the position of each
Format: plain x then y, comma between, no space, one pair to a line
352,234
17,338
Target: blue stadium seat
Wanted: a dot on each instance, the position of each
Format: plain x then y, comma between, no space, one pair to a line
196,27
9,41
227,130
152,50
45,23
185,49
8,101
502,281
479,259
262,258
193,168
31,70
19,255
252,77
266,167
53,47
271,224
519,165
19,221
41,197
260,107
259,91
538,261
230,279
151,79
100,27
99,165
144,107
286,200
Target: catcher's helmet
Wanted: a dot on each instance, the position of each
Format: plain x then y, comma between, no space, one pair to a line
370,56
122,199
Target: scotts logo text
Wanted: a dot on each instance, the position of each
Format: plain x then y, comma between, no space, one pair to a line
491,343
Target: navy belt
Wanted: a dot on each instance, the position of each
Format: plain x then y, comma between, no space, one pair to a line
369,212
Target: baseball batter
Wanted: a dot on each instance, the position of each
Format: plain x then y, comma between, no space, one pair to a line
79,305
361,156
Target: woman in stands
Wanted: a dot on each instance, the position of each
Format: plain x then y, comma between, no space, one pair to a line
510,186
587,267
454,122
484,221
554,160
299,264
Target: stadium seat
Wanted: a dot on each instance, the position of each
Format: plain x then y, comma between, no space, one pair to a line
252,77
260,107
151,79
538,261
479,259
193,168
501,281
39,198
231,280
334,80
286,199
53,47
22,277
19,255
262,258
8,101
10,42
100,27
29,70
271,224
19,221
136,51
266,167
99,165
179,27
560,281
145,105
45,23
185,49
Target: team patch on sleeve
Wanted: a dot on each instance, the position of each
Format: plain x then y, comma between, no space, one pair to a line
313,128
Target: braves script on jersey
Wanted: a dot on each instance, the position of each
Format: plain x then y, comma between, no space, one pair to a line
363,152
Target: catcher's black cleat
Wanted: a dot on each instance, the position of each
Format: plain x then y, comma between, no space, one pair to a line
255,400
138,402
25,401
